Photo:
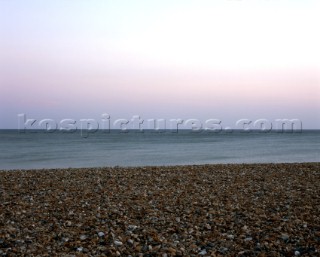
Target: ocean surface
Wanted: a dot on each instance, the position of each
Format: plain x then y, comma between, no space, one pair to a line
42,149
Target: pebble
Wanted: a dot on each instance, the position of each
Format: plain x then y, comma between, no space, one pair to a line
223,250
118,243
172,250
164,211
230,236
203,252
100,234
132,228
83,237
285,237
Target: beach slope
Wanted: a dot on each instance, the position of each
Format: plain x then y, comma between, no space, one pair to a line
208,210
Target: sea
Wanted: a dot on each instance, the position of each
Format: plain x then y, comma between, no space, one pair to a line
41,149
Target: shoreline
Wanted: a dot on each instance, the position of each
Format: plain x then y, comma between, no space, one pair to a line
156,166
269,209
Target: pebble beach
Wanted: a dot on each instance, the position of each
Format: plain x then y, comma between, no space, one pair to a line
201,210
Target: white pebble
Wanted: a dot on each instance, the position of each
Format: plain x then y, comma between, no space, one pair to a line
132,227
83,237
203,252
100,234
117,243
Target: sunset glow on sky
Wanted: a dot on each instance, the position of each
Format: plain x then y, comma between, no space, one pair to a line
227,59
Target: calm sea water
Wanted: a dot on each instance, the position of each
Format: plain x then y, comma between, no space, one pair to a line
59,150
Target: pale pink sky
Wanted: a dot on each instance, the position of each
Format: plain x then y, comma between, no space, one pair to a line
223,59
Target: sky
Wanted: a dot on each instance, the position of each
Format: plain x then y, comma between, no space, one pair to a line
226,59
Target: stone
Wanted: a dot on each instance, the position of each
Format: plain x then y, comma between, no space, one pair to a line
101,234
117,243
166,211
83,237
203,252
230,236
